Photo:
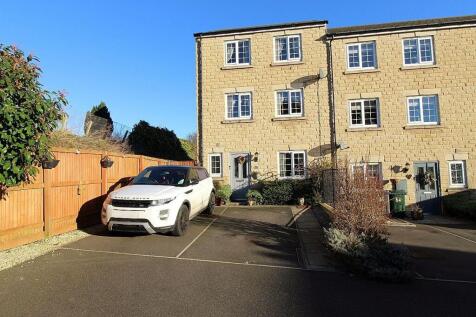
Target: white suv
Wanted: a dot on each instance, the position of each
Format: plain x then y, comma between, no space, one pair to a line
160,199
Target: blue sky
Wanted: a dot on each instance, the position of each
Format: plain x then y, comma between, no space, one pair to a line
138,56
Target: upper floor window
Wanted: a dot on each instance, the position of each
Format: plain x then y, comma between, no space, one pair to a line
292,164
237,52
423,110
216,164
287,48
238,106
361,56
364,113
289,103
418,51
457,174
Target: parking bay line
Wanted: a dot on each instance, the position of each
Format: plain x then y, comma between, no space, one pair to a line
191,259
199,235
453,234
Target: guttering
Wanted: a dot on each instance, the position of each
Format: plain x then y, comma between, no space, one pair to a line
263,28
402,27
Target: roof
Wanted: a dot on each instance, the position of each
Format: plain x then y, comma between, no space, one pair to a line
262,28
397,26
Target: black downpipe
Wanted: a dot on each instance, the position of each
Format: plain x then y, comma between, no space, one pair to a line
199,102
332,117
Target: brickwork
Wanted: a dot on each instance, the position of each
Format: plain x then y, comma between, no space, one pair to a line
263,134
452,78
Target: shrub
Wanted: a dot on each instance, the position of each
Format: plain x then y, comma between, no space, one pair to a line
278,192
255,195
224,193
370,256
462,204
360,204
28,115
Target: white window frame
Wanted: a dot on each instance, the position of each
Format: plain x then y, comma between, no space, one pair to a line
235,43
289,91
422,122
293,176
210,164
463,169
276,60
363,125
432,62
240,117
365,165
360,67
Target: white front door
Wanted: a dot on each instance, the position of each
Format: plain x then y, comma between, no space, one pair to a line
240,175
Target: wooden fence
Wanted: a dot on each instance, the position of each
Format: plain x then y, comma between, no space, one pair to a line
68,196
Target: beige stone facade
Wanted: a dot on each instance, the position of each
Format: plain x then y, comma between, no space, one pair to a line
264,134
395,144
395,141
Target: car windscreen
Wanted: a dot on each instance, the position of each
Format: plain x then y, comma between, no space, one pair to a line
168,176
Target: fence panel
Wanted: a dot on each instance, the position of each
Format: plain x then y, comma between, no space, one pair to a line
66,197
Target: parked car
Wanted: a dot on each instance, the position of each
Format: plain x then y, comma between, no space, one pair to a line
160,199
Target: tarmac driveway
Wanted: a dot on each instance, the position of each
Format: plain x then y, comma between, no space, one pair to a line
241,262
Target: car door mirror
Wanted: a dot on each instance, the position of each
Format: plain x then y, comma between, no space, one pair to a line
193,182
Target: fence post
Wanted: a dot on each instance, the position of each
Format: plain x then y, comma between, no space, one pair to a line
141,163
103,177
46,202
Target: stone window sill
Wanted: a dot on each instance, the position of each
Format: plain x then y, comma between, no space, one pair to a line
423,126
287,118
236,67
361,71
218,178
237,121
364,129
418,67
274,64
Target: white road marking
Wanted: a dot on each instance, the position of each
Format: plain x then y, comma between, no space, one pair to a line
453,234
191,259
201,233
196,238
445,280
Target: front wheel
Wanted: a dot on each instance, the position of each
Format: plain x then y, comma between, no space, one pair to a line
181,223
211,205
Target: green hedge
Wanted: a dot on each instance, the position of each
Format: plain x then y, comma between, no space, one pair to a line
286,191
462,204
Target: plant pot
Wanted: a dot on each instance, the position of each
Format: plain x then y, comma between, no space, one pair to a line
417,215
106,162
251,202
218,201
49,164
301,201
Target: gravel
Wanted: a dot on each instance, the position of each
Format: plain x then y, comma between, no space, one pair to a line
21,254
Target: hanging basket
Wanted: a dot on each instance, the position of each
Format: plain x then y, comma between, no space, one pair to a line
106,162
49,164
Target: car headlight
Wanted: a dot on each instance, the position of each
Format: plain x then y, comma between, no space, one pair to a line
163,201
107,202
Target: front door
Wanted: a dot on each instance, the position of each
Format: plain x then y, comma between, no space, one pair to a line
240,175
427,186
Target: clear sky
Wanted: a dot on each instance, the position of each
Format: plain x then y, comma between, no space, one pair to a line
138,56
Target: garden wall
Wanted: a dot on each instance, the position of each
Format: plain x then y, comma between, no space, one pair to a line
68,196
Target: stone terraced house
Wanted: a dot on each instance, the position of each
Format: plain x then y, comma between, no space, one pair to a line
396,100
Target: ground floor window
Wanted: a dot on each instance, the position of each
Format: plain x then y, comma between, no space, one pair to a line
457,174
292,164
368,169
215,160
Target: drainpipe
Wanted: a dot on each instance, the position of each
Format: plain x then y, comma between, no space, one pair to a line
198,47
332,117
